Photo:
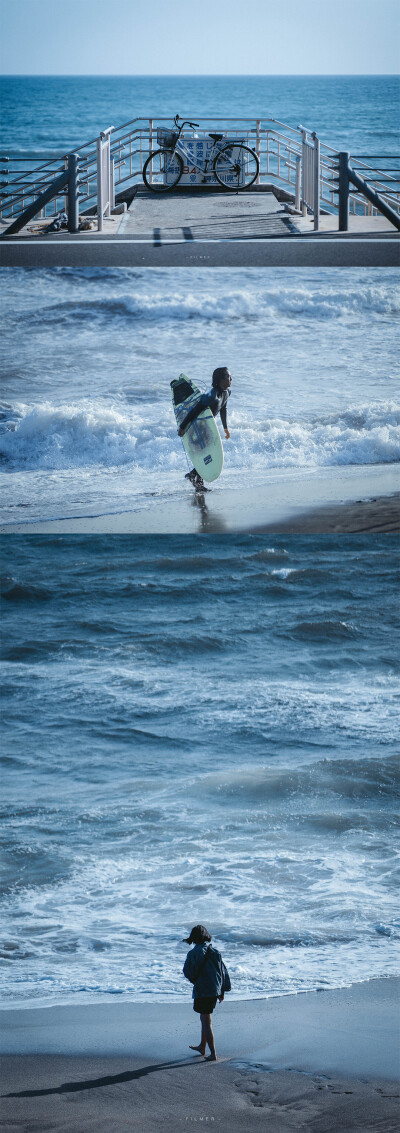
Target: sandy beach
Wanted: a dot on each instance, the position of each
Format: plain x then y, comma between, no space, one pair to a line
377,515
349,499
317,1061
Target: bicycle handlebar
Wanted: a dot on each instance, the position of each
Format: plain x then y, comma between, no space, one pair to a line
194,125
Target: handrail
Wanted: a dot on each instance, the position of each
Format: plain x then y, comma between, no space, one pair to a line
279,146
347,175
67,179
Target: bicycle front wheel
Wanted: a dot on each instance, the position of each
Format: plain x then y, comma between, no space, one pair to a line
236,167
162,170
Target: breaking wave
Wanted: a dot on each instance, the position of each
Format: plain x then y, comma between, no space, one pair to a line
328,302
95,433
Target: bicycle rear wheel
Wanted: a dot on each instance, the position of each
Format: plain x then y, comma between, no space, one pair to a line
160,165
236,167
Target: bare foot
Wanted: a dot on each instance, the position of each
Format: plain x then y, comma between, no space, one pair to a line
211,1058
198,1048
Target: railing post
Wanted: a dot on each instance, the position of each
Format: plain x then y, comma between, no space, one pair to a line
258,147
304,174
316,193
100,192
107,173
66,193
344,191
298,181
112,184
4,161
150,146
73,193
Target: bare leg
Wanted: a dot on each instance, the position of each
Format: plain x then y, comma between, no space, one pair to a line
209,1035
203,1041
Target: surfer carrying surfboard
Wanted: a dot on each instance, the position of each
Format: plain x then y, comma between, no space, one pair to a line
217,401
205,969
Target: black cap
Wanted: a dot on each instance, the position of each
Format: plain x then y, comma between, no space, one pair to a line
198,935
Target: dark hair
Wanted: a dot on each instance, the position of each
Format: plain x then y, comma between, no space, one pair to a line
221,376
198,935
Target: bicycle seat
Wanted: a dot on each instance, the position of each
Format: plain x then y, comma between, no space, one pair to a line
216,137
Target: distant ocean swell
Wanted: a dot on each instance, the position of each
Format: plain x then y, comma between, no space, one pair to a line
94,433
328,302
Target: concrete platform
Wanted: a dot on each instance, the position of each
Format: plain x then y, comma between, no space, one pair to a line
212,214
208,228
99,250
358,225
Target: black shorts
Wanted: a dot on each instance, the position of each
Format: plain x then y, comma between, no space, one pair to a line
205,1005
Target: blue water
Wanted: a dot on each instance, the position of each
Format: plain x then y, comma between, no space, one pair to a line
87,425
198,730
54,114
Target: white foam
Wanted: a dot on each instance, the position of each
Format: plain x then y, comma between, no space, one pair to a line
326,302
95,433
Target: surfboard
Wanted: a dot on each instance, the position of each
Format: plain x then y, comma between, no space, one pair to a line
201,439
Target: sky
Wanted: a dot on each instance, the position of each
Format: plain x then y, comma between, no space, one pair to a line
177,37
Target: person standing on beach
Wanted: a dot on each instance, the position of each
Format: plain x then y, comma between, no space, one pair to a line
216,400
205,969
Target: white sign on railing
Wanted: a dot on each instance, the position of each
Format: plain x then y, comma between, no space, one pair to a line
197,152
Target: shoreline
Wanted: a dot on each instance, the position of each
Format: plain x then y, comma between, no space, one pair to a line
361,1014
317,1060
342,500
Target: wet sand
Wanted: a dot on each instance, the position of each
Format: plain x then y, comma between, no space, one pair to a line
322,1061
375,515
349,499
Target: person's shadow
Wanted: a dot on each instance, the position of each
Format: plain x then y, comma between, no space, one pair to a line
108,1080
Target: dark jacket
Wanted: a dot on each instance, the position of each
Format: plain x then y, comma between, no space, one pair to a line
216,400
209,978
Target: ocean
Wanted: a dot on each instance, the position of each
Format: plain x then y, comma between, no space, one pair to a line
195,729
54,114
198,731
87,425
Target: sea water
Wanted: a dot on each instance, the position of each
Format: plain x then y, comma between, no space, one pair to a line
46,115
198,731
87,357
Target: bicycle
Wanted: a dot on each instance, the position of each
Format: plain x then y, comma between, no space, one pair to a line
234,165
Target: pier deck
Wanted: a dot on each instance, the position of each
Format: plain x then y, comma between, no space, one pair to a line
207,228
206,215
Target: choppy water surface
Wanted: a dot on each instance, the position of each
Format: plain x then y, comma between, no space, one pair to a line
198,730
40,112
87,357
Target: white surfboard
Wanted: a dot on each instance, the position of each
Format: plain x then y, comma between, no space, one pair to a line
201,439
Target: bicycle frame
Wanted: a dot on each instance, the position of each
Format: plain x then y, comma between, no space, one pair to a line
194,162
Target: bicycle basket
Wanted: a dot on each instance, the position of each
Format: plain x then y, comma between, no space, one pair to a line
166,138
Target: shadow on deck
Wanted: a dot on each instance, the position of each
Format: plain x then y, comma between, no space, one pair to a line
209,214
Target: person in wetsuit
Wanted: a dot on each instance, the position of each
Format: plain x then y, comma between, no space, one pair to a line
216,400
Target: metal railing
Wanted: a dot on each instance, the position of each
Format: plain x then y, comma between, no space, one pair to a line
347,176
105,177
65,182
291,158
311,176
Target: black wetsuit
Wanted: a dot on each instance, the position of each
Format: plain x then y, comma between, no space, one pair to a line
216,400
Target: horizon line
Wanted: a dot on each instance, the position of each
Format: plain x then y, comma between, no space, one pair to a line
199,75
